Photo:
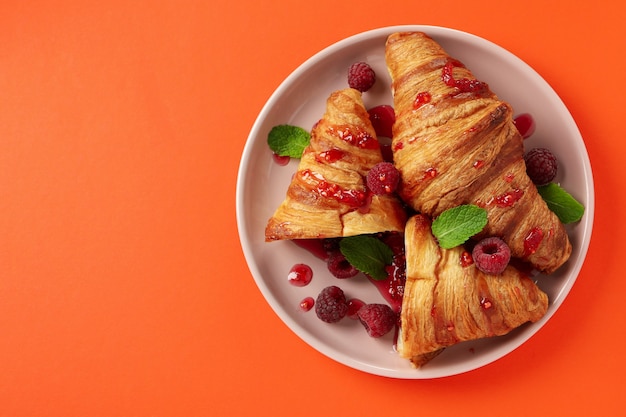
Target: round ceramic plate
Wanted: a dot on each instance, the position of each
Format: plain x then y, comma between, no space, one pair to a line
262,183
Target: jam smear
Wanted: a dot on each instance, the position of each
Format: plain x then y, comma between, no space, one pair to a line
315,246
464,85
525,125
422,98
355,137
508,199
532,241
430,173
466,259
392,287
330,156
351,197
354,305
382,118
478,164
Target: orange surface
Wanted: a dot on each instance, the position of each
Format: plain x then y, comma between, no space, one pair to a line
123,287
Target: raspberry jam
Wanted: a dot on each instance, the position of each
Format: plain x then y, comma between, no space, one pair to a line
354,137
525,125
354,305
329,156
508,199
464,85
307,304
466,259
300,275
351,197
382,118
532,241
422,98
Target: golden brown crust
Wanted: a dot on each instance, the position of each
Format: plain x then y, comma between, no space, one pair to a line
457,144
448,300
327,196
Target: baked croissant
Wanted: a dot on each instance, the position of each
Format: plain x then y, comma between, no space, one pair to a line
327,196
455,142
448,300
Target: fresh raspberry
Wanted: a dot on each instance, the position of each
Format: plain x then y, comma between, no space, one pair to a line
339,266
361,76
331,304
383,178
491,255
378,319
541,165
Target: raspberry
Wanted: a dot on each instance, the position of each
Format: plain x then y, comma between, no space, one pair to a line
378,319
383,178
361,76
541,165
339,266
491,255
331,304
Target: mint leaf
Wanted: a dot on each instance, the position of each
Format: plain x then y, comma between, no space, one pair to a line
566,208
455,226
367,254
288,140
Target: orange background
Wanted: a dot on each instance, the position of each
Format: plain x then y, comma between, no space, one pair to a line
123,287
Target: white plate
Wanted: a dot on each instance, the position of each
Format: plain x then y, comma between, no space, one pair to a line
300,100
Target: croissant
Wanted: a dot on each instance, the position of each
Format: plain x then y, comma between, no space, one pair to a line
447,300
455,142
327,196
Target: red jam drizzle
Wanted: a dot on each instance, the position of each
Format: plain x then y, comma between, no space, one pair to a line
300,275
392,288
398,146
382,118
430,173
464,85
509,198
354,305
314,246
486,303
351,197
307,304
330,156
466,259
532,241
478,164
525,125
422,98
360,138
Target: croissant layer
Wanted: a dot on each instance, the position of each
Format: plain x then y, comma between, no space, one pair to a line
447,300
455,142
327,196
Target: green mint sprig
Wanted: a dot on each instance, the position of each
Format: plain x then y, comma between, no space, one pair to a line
288,140
455,226
367,254
566,207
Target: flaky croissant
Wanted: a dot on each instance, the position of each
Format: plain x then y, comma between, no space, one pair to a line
455,142
447,300
327,196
